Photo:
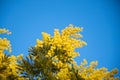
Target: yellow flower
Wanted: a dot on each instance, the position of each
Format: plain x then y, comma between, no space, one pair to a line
2,31
5,45
39,43
46,37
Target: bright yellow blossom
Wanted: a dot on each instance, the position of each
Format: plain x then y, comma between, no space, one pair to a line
2,31
8,66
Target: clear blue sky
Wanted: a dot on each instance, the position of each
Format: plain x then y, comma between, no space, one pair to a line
99,18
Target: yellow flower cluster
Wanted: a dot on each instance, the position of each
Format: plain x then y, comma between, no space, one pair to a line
2,31
66,41
8,64
92,73
65,76
4,45
87,72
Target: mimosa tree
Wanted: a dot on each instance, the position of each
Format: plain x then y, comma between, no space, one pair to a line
52,58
